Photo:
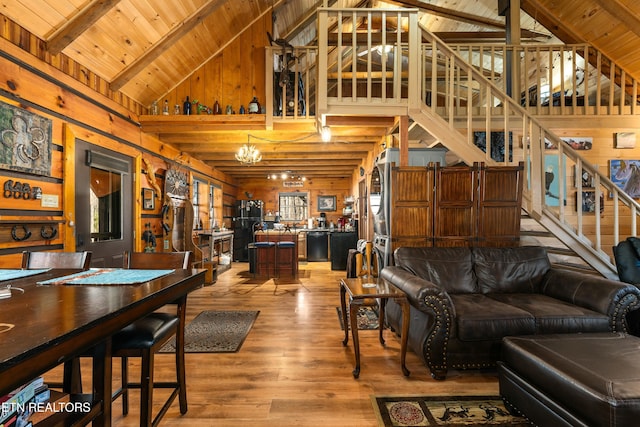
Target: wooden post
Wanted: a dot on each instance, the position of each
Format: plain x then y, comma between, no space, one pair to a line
404,140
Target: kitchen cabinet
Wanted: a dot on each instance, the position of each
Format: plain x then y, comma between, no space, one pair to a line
302,245
317,245
339,245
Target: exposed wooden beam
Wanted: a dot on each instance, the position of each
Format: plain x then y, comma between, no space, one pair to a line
451,14
623,13
168,40
78,25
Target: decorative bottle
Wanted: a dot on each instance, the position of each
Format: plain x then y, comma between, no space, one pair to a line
216,108
165,108
254,106
186,109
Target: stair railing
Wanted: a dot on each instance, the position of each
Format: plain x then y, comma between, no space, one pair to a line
417,74
574,79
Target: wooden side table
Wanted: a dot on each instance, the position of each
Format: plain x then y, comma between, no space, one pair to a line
362,289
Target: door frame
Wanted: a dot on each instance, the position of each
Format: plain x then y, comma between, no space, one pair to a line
70,134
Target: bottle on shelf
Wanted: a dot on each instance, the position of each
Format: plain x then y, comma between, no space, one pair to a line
254,106
165,108
186,109
154,108
242,109
216,108
176,109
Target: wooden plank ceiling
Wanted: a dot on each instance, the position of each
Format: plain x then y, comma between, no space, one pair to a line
144,48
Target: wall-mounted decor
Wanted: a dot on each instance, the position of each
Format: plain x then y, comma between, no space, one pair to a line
148,199
579,143
589,201
497,144
625,140
552,181
586,180
626,175
26,141
326,203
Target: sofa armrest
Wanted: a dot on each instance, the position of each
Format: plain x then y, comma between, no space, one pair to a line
436,304
615,299
417,289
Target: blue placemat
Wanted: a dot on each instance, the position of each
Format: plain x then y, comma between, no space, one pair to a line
10,274
108,276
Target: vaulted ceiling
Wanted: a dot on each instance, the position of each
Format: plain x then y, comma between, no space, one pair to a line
144,48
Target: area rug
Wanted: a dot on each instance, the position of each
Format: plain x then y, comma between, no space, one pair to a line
215,332
367,318
444,411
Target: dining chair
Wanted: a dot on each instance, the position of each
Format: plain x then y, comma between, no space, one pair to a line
148,335
80,260
72,260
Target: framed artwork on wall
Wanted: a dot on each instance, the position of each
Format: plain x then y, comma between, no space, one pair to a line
326,203
586,179
626,175
578,143
625,140
552,181
148,199
589,201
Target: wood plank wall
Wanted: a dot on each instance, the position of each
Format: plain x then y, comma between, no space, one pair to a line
233,77
76,111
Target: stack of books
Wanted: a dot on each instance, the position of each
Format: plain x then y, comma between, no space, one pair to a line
30,404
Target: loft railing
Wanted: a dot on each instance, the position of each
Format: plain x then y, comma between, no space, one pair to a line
291,82
574,79
468,110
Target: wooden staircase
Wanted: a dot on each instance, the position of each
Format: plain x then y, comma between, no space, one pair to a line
417,75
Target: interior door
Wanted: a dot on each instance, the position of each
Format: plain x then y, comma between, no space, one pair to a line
103,204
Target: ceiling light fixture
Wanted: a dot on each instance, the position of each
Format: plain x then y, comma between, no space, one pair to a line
325,133
248,154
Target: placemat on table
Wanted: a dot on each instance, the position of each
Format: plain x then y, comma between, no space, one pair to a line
10,274
108,276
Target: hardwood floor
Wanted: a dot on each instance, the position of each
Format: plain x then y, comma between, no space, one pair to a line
292,370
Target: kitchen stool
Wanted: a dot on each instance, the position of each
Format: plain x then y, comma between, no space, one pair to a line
286,259
265,259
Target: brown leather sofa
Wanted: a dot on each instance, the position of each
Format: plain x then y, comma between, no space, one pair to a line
465,300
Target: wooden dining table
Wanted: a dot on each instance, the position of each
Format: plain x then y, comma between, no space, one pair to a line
45,325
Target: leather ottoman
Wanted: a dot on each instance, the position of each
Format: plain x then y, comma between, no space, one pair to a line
572,379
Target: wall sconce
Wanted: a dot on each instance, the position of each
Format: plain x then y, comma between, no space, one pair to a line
325,133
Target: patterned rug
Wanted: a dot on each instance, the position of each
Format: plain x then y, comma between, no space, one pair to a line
215,332
444,411
367,318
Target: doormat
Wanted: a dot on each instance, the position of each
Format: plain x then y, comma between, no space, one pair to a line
215,332
367,318
444,411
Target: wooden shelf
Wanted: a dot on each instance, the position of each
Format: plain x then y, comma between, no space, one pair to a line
202,122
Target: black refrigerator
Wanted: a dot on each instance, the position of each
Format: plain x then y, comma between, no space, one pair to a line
248,216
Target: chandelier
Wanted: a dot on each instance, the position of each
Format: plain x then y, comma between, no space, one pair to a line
248,154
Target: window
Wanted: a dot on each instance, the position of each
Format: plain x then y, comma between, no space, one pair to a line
293,206
106,205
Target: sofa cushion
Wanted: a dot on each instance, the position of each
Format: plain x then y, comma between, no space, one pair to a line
449,268
518,269
554,316
480,318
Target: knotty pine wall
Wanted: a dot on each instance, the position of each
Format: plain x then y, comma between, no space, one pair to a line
233,77
79,112
268,190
